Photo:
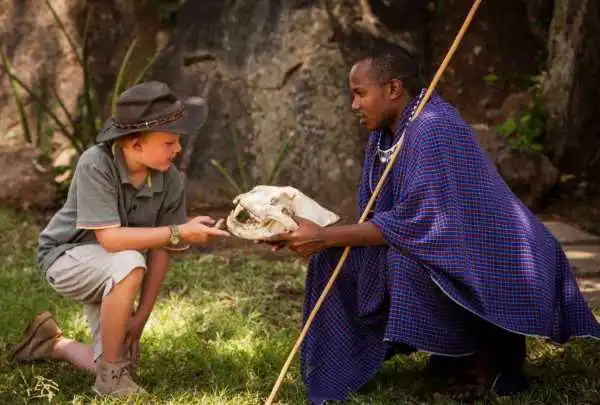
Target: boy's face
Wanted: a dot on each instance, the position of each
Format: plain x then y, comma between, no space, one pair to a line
156,150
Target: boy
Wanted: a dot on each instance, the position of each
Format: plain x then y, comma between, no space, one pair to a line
125,210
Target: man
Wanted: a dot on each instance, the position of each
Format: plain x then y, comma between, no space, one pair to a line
124,212
450,262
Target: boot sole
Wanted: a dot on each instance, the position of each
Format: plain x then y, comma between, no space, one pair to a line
95,391
29,334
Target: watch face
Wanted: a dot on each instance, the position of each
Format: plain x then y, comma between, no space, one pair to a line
174,238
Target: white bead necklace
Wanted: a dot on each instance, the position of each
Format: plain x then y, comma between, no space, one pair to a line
385,155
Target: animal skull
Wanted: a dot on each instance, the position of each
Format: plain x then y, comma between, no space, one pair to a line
265,211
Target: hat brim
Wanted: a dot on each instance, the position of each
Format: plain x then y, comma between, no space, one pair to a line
194,118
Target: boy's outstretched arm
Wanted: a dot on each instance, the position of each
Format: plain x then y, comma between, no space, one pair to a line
197,230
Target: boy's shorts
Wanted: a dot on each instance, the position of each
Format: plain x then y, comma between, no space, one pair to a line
88,273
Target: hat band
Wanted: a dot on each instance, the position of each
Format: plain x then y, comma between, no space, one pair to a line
152,123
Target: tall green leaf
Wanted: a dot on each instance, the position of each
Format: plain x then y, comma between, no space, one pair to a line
227,176
120,76
64,108
148,65
35,97
239,157
90,116
17,96
65,32
283,151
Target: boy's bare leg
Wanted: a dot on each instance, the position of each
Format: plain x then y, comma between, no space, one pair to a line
76,353
115,313
115,303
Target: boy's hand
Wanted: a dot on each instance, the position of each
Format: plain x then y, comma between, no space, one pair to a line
135,327
201,229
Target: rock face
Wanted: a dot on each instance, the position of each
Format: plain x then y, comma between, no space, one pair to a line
23,183
529,174
41,56
283,69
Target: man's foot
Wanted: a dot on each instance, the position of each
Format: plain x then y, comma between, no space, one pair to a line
461,378
113,379
38,339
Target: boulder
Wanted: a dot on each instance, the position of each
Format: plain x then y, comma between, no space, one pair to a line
530,175
282,70
24,183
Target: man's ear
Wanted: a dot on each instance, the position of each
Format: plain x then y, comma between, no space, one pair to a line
396,89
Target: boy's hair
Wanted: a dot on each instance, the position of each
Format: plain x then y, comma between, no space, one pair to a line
390,61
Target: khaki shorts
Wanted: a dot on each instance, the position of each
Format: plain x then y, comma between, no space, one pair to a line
88,273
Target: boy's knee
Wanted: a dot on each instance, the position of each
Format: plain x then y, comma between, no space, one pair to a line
133,264
136,275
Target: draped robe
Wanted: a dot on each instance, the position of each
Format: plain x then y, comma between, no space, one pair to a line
458,242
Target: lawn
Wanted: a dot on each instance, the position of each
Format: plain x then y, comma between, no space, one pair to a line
220,333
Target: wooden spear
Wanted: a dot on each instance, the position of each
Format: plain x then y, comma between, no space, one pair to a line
367,209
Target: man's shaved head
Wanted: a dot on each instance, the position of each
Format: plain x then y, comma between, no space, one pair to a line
389,62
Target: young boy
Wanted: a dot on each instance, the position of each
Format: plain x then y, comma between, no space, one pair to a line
125,210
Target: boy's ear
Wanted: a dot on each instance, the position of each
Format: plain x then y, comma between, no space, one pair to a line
136,143
396,89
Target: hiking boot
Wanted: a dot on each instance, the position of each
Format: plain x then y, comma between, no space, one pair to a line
38,339
113,379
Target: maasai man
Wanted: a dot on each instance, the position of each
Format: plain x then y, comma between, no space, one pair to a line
450,262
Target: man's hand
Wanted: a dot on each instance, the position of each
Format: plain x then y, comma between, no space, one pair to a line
307,240
201,230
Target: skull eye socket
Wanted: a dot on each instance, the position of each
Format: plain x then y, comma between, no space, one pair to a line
243,217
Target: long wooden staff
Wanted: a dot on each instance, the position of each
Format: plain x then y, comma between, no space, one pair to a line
367,209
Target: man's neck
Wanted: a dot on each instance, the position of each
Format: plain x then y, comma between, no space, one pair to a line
398,115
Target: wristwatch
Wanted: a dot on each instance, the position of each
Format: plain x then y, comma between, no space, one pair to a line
175,236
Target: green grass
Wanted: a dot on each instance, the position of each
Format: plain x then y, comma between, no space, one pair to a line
220,333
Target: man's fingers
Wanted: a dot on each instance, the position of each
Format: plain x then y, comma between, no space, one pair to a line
300,244
300,220
280,237
220,224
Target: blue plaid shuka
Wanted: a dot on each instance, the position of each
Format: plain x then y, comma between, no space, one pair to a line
455,234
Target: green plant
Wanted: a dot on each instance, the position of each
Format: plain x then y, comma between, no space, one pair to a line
525,132
80,129
491,78
242,184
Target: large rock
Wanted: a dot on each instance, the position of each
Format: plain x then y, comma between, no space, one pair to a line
24,183
283,69
529,174
42,58
572,87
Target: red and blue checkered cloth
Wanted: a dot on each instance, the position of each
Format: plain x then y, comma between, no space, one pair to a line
458,239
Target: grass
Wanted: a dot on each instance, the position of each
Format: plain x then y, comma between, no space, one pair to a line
220,333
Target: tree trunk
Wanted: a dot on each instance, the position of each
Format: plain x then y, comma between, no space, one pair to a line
572,87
